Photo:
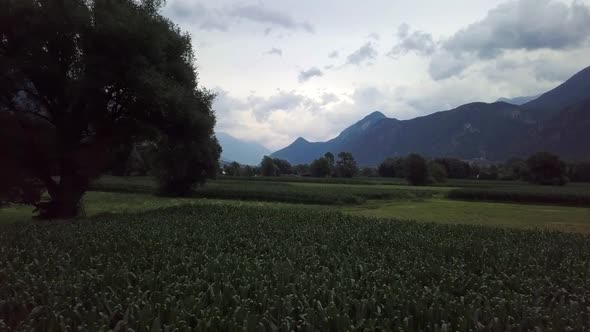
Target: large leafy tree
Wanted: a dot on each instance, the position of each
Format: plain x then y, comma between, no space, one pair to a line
346,165
79,77
547,169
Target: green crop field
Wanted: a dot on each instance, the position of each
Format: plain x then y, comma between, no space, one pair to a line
223,267
293,255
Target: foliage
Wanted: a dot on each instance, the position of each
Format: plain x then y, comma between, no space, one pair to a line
455,168
214,267
181,164
320,168
547,169
283,166
416,170
579,171
346,165
90,76
268,167
387,168
568,199
437,172
232,169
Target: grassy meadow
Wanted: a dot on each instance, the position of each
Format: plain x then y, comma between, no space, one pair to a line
265,254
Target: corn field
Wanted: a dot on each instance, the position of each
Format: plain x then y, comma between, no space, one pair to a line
216,267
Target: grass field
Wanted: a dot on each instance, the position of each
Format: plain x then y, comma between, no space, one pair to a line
571,219
234,267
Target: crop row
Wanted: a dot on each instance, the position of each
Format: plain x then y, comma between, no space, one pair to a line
568,199
218,267
274,191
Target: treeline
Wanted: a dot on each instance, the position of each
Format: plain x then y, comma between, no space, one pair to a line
541,168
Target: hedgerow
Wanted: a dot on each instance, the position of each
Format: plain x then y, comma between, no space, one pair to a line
556,198
222,267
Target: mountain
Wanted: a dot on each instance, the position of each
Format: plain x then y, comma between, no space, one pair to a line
493,131
518,100
574,90
243,152
566,133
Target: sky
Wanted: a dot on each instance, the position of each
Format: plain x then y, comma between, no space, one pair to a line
284,69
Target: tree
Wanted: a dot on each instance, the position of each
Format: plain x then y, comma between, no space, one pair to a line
268,167
437,171
283,166
232,169
247,171
93,75
546,169
320,167
416,170
387,168
455,168
346,165
331,160
369,171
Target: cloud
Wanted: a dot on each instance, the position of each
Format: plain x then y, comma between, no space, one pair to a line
276,51
374,36
196,13
365,53
260,14
206,18
418,42
528,25
333,54
306,75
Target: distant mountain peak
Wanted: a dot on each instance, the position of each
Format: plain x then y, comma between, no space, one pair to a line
300,140
375,116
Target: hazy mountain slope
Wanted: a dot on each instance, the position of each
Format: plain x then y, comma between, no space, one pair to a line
243,152
470,131
518,100
574,90
567,133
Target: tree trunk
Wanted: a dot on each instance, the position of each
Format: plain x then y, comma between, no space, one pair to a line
65,200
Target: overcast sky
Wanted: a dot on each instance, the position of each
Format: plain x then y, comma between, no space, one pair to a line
310,68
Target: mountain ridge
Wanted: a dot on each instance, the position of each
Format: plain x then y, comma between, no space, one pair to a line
492,131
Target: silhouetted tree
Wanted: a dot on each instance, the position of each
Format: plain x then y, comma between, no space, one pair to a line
283,166
547,169
437,171
320,167
233,169
268,167
93,75
331,162
387,168
346,165
416,170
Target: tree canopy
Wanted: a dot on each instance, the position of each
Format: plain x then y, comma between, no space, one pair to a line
79,78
